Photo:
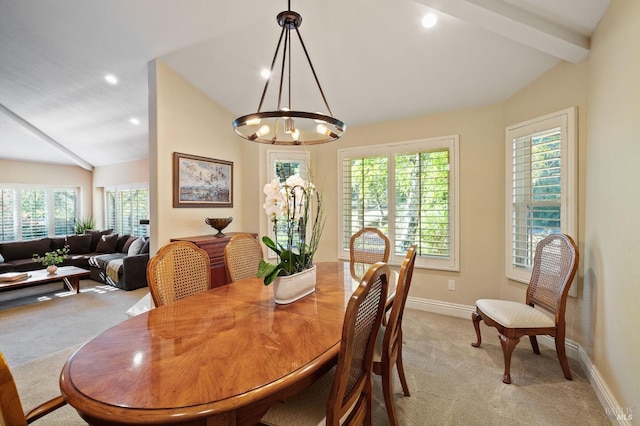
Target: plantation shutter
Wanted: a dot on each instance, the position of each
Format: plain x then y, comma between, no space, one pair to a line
536,192
34,214
139,211
65,207
8,226
422,211
365,195
110,208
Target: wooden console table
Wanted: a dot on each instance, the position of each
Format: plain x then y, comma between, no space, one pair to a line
214,246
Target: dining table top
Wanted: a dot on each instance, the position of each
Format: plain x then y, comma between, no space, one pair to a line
219,357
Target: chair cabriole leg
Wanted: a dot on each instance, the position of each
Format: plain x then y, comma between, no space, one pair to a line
400,367
475,316
508,345
562,356
534,344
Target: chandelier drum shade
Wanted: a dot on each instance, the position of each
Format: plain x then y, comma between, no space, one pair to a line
285,125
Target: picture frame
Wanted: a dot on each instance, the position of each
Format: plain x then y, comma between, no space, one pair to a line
201,181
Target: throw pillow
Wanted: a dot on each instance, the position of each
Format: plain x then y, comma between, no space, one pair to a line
125,247
135,247
95,237
107,244
122,240
79,244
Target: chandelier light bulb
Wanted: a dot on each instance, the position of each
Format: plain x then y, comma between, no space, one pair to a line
253,122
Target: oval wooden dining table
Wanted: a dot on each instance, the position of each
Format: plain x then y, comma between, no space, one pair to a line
222,357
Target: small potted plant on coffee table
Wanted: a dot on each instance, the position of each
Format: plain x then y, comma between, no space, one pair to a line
51,259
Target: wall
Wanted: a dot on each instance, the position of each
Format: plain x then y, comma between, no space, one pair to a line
183,119
612,239
481,197
50,174
131,172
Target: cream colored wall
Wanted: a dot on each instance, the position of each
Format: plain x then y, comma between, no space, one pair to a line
612,239
50,174
481,197
562,87
132,172
183,119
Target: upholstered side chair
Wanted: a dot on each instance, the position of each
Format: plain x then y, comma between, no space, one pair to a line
388,350
180,269
10,406
344,396
554,267
242,256
366,247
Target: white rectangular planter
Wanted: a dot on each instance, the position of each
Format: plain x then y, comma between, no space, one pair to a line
289,288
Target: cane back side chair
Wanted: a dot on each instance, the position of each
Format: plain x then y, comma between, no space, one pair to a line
344,396
180,269
554,267
366,247
242,255
388,350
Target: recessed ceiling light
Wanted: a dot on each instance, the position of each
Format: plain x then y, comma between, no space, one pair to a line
134,121
111,79
265,73
429,20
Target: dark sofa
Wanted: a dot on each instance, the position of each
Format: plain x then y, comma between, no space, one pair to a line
92,251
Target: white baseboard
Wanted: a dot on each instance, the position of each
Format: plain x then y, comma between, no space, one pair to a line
616,413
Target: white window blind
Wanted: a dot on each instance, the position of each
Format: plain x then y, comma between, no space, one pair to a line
125,207
409,192
541,194
8,219
65,205
34,214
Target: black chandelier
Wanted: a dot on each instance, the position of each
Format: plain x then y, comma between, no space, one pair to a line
285,125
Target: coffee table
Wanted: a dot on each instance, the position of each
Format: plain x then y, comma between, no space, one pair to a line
70,275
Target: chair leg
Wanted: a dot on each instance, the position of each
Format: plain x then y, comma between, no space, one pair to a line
508,345
534,344
476,324
387,390
562,357
400,367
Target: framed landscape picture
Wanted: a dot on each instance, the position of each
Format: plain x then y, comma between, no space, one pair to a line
201,181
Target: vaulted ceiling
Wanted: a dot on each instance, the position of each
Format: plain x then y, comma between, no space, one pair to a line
374,59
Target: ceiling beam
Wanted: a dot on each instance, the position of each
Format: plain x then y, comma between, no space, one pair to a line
33,129
517,24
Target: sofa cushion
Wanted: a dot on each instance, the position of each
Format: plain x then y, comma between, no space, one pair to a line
135,247
58,242
145,247
107,244
95,237
130,240
24,249
24,265
79,244
122,240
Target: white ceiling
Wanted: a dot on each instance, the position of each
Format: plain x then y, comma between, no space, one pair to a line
373,58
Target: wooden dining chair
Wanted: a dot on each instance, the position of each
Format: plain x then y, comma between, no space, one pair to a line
242,255
344,395
366,247
388,351
180,269
10,406
554,267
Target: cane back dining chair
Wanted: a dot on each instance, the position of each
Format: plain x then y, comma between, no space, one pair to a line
554,267
10,406
388,351
366,247
344,396
242,255
180,269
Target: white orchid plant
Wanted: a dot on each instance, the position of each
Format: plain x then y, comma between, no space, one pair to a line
291,204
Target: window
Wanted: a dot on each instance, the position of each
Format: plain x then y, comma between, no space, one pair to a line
541,186
407,190
283,164
28,212
125,206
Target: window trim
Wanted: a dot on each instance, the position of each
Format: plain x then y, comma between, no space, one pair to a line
566,119
450,142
